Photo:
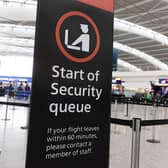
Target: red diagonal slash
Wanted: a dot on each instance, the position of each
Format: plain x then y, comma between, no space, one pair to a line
107,5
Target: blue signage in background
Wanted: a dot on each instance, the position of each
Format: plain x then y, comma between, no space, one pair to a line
115,59
15,78
14,87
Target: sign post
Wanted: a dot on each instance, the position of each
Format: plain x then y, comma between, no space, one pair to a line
71,89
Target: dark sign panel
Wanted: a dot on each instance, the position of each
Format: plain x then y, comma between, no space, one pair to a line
70,104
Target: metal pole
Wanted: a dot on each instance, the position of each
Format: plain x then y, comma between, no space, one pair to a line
116,115
115,112
136,133
145,112
27,121
116,102
165,112
154,140
127,107
6,112
14,104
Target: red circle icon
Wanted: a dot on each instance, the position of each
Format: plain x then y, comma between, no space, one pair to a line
60,45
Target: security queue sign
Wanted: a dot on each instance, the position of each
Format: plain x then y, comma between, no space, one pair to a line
70,104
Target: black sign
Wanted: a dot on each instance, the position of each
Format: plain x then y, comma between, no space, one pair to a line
70,104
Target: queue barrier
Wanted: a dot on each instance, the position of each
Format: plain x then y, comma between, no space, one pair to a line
15,104
136,124
130,100
10,103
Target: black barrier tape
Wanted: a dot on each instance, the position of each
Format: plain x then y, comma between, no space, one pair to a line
16,104
163,103
154,122
144,123
121,122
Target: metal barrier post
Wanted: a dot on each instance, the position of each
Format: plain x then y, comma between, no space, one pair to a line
165,110
27,122
154,140
136,133
116,116
145,114
6,112
165,113
145,110
127,107
13,102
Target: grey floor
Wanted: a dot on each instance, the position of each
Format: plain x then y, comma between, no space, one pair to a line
13,138
152,155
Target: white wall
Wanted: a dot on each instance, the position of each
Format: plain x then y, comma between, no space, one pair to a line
22,66
16,66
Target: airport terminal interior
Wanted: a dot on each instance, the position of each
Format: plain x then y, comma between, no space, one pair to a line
139,81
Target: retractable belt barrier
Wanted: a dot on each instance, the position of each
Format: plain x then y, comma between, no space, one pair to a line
144,123
9,103
129,100
136,124
121,122
15,104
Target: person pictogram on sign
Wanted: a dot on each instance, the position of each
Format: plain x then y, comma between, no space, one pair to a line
84,39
